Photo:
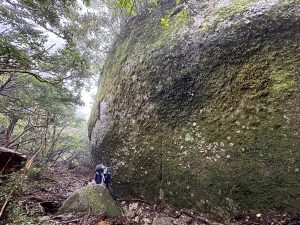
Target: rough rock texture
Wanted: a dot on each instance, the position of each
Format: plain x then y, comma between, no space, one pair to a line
95,198
204,114
162,221
11,161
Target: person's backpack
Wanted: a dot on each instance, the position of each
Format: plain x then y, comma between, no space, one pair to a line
99,169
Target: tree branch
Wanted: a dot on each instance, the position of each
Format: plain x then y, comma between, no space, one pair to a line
36,76
15,139
12,98
5,83
186,2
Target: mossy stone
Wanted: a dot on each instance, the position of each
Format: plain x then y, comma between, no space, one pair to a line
94,198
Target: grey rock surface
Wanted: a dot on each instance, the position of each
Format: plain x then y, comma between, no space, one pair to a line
162,221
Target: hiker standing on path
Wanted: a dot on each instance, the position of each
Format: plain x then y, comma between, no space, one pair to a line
102,175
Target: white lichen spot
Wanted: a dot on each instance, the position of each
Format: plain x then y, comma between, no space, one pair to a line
181,147
134,77
209,146
228,138
228,156
188,137
194,124
151,148
297,170
231,144
238,131
159,87
161,194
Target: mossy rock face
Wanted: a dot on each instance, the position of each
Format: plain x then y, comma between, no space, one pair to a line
94,198
206,114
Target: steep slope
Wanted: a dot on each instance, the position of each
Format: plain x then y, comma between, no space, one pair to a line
205,114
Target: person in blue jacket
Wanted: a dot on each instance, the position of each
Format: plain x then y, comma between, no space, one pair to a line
102,175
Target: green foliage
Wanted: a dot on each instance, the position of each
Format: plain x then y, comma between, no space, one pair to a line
173,22
94,31
40,86
17,215
23,42
9,181
155,2
177,2
165,21
128,5
34,173
183,15
135,8
4,121
237,6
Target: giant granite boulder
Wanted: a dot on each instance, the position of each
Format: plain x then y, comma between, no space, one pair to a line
94,198
204,113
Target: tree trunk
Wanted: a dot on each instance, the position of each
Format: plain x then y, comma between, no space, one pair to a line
12,123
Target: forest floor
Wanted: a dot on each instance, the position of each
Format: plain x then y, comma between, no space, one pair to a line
45,194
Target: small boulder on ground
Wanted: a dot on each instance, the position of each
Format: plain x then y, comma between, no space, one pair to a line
95,198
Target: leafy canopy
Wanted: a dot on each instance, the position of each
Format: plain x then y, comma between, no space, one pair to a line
42,73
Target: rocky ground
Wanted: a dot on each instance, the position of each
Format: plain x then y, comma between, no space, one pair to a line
46,193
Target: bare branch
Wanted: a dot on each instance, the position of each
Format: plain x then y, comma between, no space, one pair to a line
20,135
36,76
